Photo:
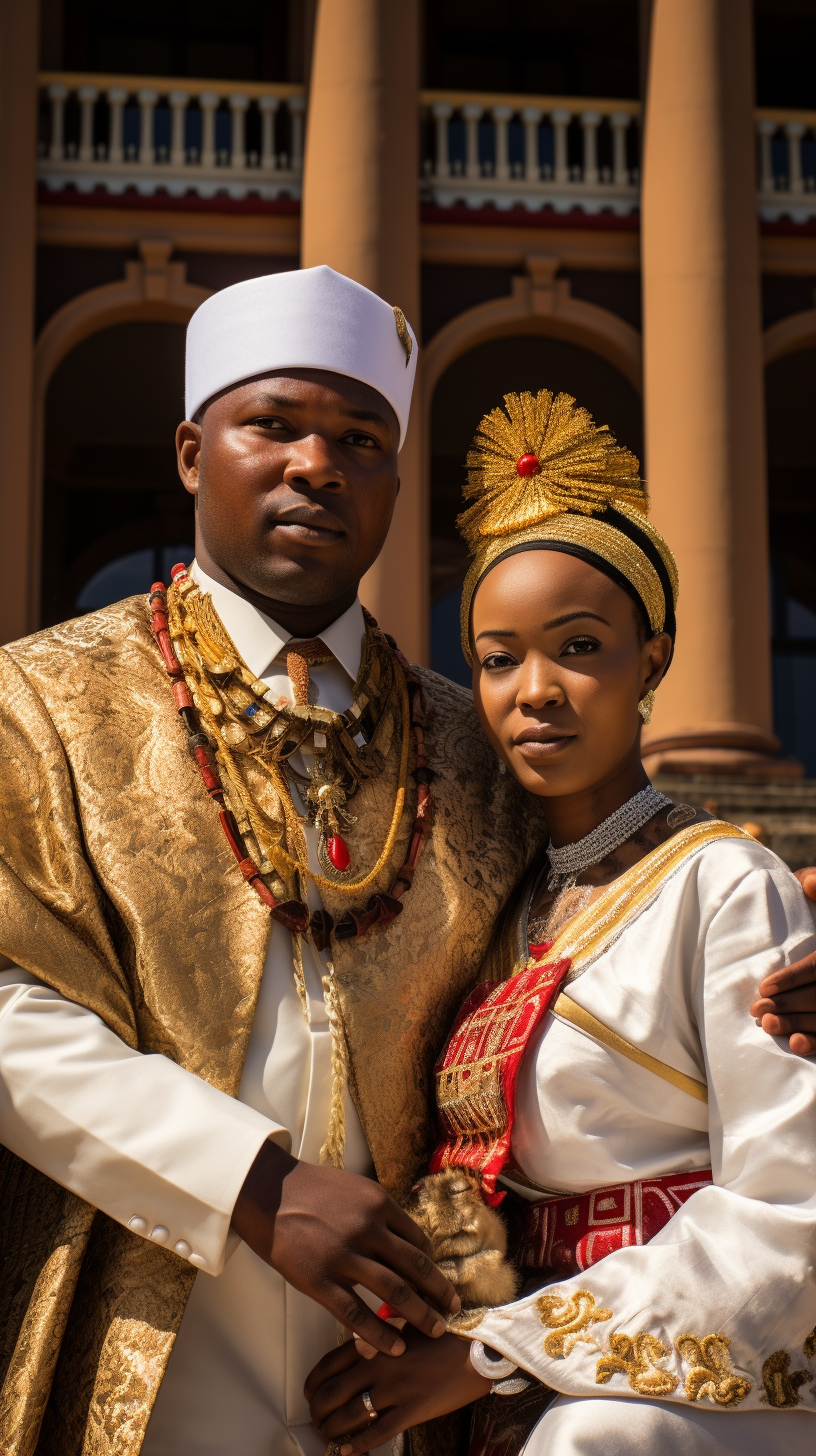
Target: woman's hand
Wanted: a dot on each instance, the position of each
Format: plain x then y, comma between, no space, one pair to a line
430,1379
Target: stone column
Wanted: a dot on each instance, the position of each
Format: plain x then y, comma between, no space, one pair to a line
361,216
18,127
705,440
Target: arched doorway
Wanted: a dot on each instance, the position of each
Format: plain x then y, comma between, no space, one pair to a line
790,387
475,383
114,509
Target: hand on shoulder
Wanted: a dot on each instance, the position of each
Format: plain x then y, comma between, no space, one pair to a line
786,1005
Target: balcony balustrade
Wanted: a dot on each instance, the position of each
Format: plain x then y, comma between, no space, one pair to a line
211,138
786,170
530,151
206,137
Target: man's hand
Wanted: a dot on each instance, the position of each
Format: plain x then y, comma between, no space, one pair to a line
430,1379
325,1231
787,998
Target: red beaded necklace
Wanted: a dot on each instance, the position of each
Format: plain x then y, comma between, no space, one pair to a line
294,914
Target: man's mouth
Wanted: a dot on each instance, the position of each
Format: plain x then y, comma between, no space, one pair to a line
315,527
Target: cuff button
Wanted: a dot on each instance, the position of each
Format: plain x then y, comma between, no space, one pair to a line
160,1234
138,1225
183,1248
198,1260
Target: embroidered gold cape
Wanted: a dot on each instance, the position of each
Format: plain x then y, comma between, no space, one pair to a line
118,889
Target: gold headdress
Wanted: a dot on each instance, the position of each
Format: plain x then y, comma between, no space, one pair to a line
545,474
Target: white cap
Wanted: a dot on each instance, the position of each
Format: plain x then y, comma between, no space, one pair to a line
311,318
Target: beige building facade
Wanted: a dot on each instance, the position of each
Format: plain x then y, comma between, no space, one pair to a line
654,255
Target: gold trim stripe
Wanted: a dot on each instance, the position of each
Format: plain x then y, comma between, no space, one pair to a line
571,1011
597,928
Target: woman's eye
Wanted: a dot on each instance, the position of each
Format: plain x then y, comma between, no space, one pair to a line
496,661
580,647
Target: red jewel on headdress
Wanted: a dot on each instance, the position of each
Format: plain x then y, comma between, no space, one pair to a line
528,465
339,852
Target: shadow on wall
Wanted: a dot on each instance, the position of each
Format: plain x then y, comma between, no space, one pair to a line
472,386
114,509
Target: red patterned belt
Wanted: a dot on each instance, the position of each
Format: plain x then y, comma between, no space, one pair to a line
569,1234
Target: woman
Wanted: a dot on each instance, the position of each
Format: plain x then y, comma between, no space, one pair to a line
670,1223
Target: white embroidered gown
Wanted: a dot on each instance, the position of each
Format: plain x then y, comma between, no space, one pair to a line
737,1260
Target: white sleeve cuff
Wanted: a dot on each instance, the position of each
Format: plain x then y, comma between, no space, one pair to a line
152,1145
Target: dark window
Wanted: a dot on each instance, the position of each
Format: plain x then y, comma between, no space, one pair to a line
542,47
114,509
790,391
246,40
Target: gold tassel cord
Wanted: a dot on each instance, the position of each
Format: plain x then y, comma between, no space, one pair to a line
334,1148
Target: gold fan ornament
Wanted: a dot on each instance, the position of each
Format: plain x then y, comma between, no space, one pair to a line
545,455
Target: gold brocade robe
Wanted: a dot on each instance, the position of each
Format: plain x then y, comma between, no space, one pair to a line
119,890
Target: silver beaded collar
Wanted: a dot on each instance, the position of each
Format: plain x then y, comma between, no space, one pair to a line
567,862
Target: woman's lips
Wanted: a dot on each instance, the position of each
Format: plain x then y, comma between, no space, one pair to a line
537,744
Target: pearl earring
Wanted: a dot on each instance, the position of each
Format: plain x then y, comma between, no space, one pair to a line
646,704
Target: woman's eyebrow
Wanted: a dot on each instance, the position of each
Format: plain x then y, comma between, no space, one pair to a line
573,617
556,622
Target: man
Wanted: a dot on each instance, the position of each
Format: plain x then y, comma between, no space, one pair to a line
174,1050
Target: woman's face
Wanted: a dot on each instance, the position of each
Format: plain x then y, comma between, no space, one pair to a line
559,669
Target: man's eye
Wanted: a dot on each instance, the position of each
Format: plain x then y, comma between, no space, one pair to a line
270,422
580,647
497,661
359,438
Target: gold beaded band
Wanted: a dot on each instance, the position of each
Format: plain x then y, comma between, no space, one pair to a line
594,537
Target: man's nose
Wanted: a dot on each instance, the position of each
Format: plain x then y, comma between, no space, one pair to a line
311,463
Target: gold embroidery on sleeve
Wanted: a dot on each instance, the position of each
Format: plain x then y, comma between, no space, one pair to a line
809,1347
712,1372
569,1318
637,1359
781,1383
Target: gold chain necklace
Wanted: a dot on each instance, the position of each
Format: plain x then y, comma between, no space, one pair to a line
250,731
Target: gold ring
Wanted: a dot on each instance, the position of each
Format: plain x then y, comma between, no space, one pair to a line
372,1414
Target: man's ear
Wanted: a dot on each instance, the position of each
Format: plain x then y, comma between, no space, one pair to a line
188,454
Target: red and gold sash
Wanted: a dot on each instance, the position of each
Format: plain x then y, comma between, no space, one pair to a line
477,1071
570,1234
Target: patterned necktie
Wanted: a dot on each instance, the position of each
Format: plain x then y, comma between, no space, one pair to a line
298,661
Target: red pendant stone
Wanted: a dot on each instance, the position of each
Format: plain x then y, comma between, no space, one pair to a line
339,852
528,465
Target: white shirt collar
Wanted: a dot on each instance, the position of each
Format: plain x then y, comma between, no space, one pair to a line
260,640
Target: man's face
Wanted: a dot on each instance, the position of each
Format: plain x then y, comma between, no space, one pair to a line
295,479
